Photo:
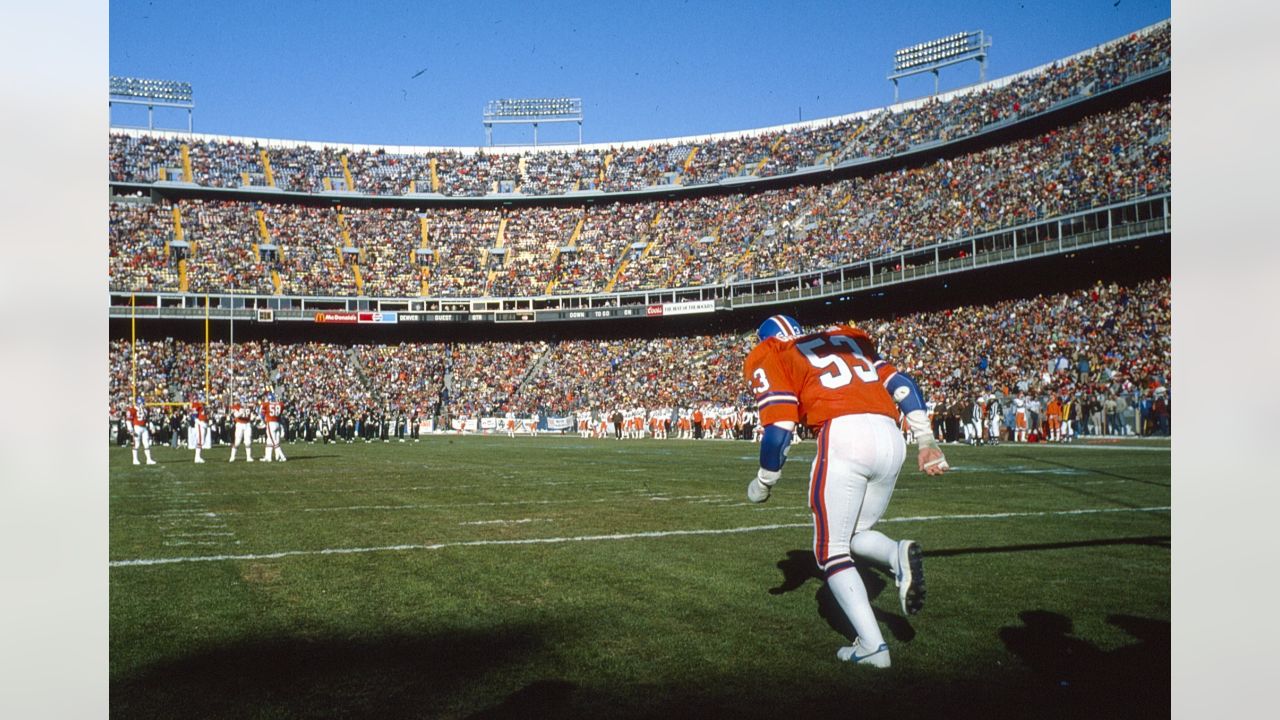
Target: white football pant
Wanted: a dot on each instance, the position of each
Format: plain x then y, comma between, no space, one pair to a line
243,436
202,436
141,438
272,442
850,484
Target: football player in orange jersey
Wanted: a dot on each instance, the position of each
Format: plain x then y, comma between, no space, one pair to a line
834,382
200,422
271,412
139,430
1053,415
243,436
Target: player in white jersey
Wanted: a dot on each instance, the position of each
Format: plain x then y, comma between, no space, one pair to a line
994,419
141,433
1019,419
243,433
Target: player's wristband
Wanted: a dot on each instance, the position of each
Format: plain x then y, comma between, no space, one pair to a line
768,477
918,421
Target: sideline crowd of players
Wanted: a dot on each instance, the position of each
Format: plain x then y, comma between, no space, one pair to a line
1051,368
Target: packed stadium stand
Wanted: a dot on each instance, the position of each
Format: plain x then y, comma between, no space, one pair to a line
231,163
1024,173
1107,341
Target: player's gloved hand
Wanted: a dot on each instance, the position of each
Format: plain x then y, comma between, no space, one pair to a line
932,461
762,484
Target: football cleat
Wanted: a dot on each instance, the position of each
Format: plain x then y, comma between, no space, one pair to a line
910,577
879,658
150,461
783,327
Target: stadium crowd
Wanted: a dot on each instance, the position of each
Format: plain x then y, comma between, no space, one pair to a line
225,241
138,255
689,241
387,239
1103,351
889,131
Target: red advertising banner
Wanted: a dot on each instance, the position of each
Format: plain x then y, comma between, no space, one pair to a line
362,317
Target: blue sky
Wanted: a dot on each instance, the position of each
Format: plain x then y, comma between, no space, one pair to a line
345,72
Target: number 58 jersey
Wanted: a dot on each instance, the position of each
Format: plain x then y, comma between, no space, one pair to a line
816,377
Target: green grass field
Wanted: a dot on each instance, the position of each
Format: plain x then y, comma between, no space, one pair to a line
542,577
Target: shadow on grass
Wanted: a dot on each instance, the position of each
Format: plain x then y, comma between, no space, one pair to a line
381,677
470,674
1161,541
1083,680
799,567
541,699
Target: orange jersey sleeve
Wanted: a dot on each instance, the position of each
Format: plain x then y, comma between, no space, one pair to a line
777,397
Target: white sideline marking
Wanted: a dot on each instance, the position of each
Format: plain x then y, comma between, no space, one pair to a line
337,490
344,508
521,521
595,538
997,516
695,498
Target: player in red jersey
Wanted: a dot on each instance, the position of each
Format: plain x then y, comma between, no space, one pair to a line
199,421
271,411
242,418
834,382
138,428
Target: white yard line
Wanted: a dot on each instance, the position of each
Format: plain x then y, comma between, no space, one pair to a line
354,508
597,538
442,487
521,521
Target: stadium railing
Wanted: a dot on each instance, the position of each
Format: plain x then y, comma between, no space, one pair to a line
1131,220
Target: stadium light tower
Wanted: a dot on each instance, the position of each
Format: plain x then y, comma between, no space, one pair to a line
531,111
151,93
936,54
